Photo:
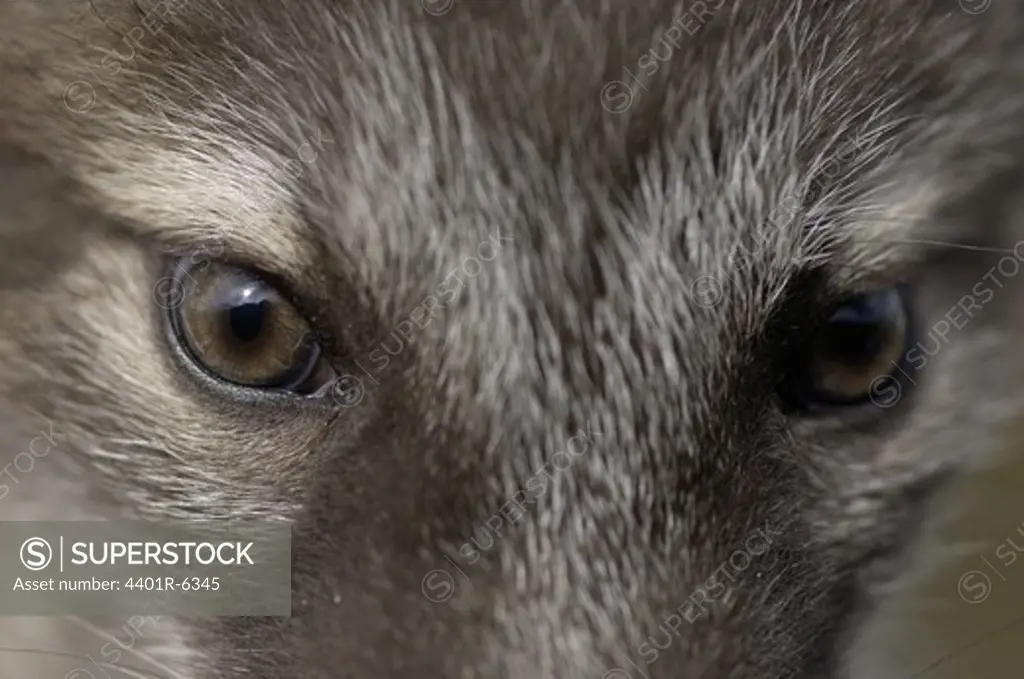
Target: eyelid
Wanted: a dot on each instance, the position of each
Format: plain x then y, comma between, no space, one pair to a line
273,276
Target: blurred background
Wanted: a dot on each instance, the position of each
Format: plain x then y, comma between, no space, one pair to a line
964,618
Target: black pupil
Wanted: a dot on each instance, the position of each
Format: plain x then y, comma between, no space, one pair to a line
248,320
855,343
857,332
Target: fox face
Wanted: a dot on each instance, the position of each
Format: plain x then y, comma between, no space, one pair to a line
570,342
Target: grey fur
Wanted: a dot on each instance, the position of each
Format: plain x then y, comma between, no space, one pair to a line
434,134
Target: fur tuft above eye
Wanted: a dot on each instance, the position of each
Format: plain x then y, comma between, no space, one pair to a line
240,329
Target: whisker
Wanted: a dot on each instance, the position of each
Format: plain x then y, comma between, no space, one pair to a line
977,641
955,246
141,655
134,672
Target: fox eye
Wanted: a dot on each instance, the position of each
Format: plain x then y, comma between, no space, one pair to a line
857,351
239,328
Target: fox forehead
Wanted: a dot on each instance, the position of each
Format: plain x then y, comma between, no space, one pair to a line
713,134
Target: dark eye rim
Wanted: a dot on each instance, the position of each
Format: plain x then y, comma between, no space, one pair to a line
179,269
886,389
